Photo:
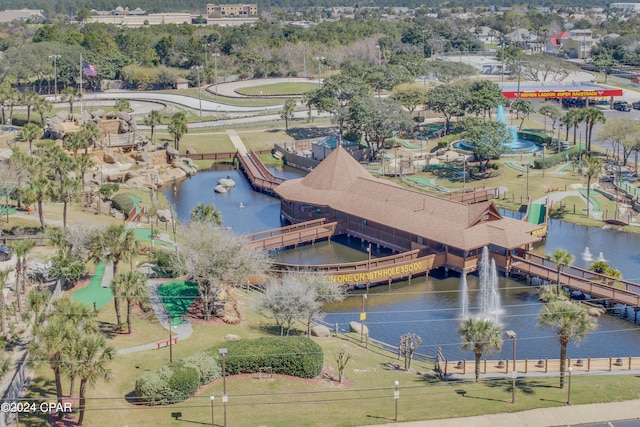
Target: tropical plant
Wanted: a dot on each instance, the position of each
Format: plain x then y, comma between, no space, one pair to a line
28,98
552,111
70,94
67,192
90,133
4,275
122,105
74,142
42,107
153,119
570,322
131,286
93,355
114,244
287,112
178,128
482,336
83,163
21,249
522,108
591,116
206,213
29,133
561,258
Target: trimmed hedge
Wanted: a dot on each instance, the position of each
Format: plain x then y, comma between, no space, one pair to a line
555,159
178,381
533,136
296,356
122,202
171,384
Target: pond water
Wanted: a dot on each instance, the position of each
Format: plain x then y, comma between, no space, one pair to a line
430,306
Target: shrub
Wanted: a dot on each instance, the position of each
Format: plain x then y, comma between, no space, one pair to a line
108,189
206,363
122,202
171,384
297,356
533,136
555,159
165,262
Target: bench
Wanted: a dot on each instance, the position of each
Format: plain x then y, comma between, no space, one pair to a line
165,343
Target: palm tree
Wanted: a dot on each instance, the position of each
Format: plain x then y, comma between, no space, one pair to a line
132,286
75,142
28,98
93,354
206,213
122,105
571,322
46,348
30,132
83,163
67,192
90,133
592,167
22,248
70,94
481,336
42,107
4,275
178,128
153,119
573,117
287,112
114,244
561,258
591,116
12,99
40,184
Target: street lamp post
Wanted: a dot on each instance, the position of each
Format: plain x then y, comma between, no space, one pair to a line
55,76
569,386
544,166
363,316
223,355
396,397
198,68
512,335
212,398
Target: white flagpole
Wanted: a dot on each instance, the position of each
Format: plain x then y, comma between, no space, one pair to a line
80,84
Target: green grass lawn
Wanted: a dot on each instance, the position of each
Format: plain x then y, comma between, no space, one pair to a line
366,397
282,89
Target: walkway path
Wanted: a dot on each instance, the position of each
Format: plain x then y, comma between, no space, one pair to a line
237,142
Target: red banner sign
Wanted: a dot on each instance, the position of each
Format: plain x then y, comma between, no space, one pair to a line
564,94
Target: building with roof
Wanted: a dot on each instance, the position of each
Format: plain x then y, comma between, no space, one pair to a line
387,214
19,15
321,148
626,7
232,9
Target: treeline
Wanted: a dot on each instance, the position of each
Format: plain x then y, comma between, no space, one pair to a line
71,7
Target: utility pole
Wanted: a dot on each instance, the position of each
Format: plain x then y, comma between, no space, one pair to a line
55,76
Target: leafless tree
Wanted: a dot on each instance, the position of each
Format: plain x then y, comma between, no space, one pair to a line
409,343
342,357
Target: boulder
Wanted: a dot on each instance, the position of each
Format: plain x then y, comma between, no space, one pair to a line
189,162
320,331
108,156
164,215
124,116
98,114
5,154
358,328
62,115
172,151
145,157
232,337
186,168
110,115
220,189
122,158
191,150
227,182
133,126
123,127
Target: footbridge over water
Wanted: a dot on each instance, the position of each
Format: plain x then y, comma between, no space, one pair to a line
292,235
259,176
597,286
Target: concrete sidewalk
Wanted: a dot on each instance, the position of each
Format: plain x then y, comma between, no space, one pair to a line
545,417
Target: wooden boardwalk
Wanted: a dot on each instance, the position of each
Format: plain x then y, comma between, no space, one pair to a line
259,176
292,235
596,285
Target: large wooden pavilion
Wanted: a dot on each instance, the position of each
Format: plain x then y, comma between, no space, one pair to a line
387,214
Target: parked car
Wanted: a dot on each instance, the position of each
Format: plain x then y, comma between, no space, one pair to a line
5,253
635,105
621,106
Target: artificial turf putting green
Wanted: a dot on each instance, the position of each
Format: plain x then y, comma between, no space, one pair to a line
94,293
177,297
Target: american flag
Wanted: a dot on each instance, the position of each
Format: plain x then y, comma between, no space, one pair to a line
89,70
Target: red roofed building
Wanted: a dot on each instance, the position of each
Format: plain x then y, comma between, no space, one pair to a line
556,41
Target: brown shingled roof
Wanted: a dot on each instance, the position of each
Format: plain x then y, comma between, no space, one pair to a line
343,184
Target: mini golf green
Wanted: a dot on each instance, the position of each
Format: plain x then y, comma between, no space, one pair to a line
94,293
177,297
145,235
136,201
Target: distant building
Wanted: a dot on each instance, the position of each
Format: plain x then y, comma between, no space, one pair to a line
20,15
232,9
579,44
627,7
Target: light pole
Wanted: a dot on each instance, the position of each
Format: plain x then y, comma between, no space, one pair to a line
319,59
368,258
304,57
55,76
170,339
215,71
569,386
512,335
544,166
223,355
198,68
379,55
396,397
526,165
363,316
212,398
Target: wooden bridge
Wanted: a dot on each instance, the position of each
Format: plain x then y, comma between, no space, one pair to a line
259,176
292,235
598,286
